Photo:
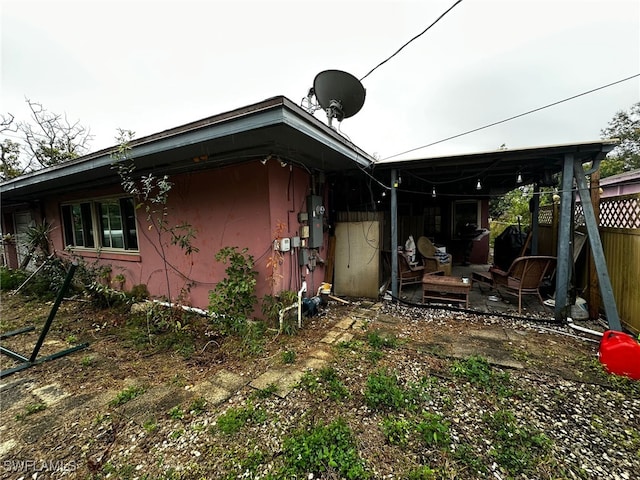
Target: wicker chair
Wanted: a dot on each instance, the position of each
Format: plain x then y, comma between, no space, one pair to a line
431,262
408,274
524,277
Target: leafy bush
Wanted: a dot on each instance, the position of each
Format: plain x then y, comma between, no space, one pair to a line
232,300
433,429
323,449
10,278
397,431
272,304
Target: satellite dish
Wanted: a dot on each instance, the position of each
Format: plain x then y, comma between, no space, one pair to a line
339,93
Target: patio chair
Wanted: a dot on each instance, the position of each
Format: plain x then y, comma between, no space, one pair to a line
432,259
524,276
408,274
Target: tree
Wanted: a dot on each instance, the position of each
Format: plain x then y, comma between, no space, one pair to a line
47,139
625,125
9,150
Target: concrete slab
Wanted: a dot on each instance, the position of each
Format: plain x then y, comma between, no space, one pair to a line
314,363
345,337
229,380
359,324
493,356
49,394
288,382
268,378
493,334
7,446
345,323
320,354
331,336
212,393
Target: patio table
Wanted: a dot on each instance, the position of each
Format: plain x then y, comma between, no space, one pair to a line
451,289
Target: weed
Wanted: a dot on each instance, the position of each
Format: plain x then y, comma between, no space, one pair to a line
374,356
234,419
326,382
174,435
466,455
324,451
31,409
11,279
433,430
420,473
198,406
273,304
150,425
88,361
72,339
266,392
476,370
378,340
288,357
383,392
516,447
397,431
126,395
176,413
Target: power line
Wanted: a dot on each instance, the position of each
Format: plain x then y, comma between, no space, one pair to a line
414,38
515,116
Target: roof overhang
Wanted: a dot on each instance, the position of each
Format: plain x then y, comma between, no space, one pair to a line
275,127
498,170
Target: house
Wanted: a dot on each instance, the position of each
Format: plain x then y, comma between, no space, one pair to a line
269,172
240,178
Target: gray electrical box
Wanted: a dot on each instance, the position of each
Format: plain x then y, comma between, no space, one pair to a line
316,217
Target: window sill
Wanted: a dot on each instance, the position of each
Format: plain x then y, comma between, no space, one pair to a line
107,255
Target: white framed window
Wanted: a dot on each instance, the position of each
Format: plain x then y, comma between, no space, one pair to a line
103,223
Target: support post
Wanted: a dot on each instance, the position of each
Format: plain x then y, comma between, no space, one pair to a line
394,234
593,294
606,291
565,256
535,214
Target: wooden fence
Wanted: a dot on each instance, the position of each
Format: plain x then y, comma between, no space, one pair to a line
619,228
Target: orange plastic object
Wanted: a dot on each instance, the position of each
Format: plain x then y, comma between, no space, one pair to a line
620,354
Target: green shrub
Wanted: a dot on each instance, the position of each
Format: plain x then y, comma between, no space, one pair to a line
232,300
433,429
321,450
325,382
10,279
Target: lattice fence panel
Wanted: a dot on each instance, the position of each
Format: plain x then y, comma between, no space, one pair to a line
620,212
545,215
579,215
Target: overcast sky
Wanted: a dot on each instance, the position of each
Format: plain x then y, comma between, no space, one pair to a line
150,65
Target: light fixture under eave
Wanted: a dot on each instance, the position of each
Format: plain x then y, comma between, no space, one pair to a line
519,178
478,185
433,192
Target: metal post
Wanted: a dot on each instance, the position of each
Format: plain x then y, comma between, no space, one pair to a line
606,291
54,310
564,239
394,234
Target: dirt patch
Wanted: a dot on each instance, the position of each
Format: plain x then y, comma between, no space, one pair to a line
64,410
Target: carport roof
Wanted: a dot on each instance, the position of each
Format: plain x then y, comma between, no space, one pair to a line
275,127
497,170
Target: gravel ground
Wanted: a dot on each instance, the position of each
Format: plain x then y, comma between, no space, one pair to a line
559,416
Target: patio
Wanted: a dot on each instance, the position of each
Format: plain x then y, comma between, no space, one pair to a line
482,297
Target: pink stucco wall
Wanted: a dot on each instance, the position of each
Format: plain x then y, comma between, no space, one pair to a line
238,206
